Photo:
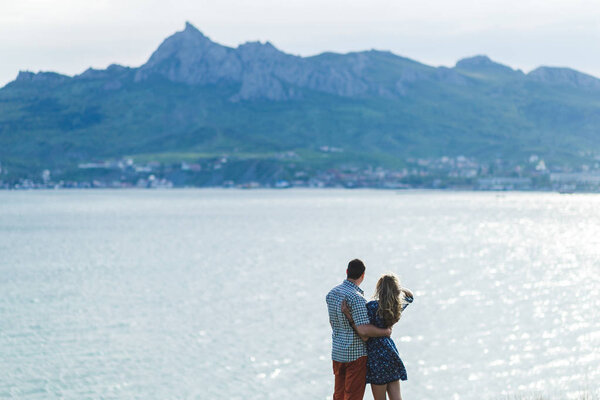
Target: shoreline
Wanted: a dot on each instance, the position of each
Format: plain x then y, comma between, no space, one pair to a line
294,188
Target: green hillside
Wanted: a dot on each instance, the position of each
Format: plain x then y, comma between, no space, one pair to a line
376,108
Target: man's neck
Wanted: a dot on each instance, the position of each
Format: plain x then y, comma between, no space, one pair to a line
355,281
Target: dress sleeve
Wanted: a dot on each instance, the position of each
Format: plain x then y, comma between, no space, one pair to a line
407,301
372,311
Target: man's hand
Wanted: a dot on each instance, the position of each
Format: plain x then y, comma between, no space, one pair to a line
373,331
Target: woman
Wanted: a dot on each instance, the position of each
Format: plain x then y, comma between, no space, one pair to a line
384,366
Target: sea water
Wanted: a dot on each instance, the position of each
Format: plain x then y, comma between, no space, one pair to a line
205,294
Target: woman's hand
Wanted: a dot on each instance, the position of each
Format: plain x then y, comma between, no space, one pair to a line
407,293
348,313
346,310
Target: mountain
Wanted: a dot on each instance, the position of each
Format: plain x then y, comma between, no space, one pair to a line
483,64
197,99
565,77
264,72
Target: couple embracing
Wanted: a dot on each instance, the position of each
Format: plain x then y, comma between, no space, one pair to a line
363,351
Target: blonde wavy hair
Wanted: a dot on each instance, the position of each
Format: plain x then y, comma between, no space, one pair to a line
390,298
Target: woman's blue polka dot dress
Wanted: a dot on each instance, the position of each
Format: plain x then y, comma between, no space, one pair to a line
383,362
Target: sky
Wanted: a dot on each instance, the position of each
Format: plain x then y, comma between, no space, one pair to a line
69,36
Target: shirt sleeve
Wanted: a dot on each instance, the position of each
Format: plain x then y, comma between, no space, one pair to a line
358,304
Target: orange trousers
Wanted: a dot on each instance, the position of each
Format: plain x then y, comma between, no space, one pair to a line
350,379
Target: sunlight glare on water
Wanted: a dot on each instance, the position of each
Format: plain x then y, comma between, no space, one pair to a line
199,294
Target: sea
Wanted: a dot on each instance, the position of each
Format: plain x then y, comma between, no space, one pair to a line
220,293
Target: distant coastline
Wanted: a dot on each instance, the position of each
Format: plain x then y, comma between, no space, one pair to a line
287,170
202,114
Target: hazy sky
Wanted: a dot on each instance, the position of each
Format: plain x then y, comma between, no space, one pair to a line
69,36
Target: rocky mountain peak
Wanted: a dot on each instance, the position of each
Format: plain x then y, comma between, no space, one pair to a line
42,77
190,36
475,61
482,63
190,32
190,27
257,45
564,76
25,76
189,56
112,71
251,52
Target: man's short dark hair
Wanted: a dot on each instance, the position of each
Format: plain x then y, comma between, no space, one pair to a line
355,269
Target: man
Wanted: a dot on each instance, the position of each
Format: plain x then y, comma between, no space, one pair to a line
349,352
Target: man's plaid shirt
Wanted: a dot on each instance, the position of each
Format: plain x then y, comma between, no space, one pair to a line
347,345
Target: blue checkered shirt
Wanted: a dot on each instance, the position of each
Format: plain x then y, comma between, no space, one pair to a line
347,345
